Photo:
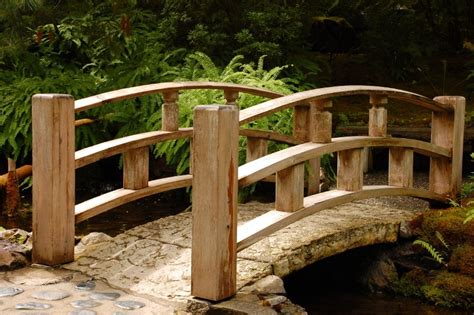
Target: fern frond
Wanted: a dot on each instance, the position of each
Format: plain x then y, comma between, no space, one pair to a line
433,252
440,237
470,216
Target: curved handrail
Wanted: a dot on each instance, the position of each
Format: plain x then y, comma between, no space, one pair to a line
142,90
266,108
258,169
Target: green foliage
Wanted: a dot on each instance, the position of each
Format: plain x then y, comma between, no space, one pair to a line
433,252
469,215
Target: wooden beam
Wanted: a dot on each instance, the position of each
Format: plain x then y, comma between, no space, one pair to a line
290,188
447,131
53,185
400,167
170,111
256,148
349,170
320,121
135,168
215,161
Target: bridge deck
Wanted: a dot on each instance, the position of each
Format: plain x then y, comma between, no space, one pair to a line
155,258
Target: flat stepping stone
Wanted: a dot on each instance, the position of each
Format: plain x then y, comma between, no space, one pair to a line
129,305
50,295
10,291
88,285
104,295
85,304
33,306
118,313
82,312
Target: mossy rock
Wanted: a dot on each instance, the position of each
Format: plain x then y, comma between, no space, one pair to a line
411,282
450,290
450,223
462,259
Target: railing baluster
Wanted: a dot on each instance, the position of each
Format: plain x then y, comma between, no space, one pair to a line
135,168
170,111
214,247
377,126
290,188
54,178
349,170
231,97
447,130
400,167
256,148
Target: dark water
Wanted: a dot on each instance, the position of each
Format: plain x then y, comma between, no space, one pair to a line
331,286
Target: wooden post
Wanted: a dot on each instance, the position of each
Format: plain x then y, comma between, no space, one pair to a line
231,97
214,197
290,188
256,148
349,170
447,130
400,167
53,183
320,121
135,168
170,111
301,131
377,126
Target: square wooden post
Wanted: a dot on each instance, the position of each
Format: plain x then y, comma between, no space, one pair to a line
256,148
54,178
290,188
135,168
377,126
215,161
447,130
170,111
400,167
349,170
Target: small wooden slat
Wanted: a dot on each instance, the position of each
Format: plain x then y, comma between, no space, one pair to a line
272,221
290,188
314,178
301,123
137,91
110,200
447,131
267,108
320,121
215,161
350,170
367,159
256,148
117,146
256,170
170,111
231,97
53,184
269,135
400,167
135,168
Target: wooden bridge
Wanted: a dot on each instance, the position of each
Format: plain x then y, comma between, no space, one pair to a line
215,175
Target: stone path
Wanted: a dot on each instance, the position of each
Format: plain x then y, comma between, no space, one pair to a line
149,266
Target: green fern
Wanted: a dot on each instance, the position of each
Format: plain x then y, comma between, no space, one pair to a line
469,216
433,252
440,237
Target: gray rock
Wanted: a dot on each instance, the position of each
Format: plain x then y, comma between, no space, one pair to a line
89,241
11,257
50,295
274,300
82,312
270,285
86,285
85,304
104,295
32,306
10,291
118,313
129,305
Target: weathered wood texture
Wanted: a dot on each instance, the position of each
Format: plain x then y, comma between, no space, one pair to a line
320,121
53,187
400,167
447,131
349,170
290,188
170,111
215,162
378,116
135,168
256,148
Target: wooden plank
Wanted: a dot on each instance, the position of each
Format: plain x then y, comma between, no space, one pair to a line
314,178
256,148
53,184
267,108
290,188
447,131
143,90
272,221
350,170
110,200
301,123
135,168
269,135
215,160
400,167
170,111
256,170
117,146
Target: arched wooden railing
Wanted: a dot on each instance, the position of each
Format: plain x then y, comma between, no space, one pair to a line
216,175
